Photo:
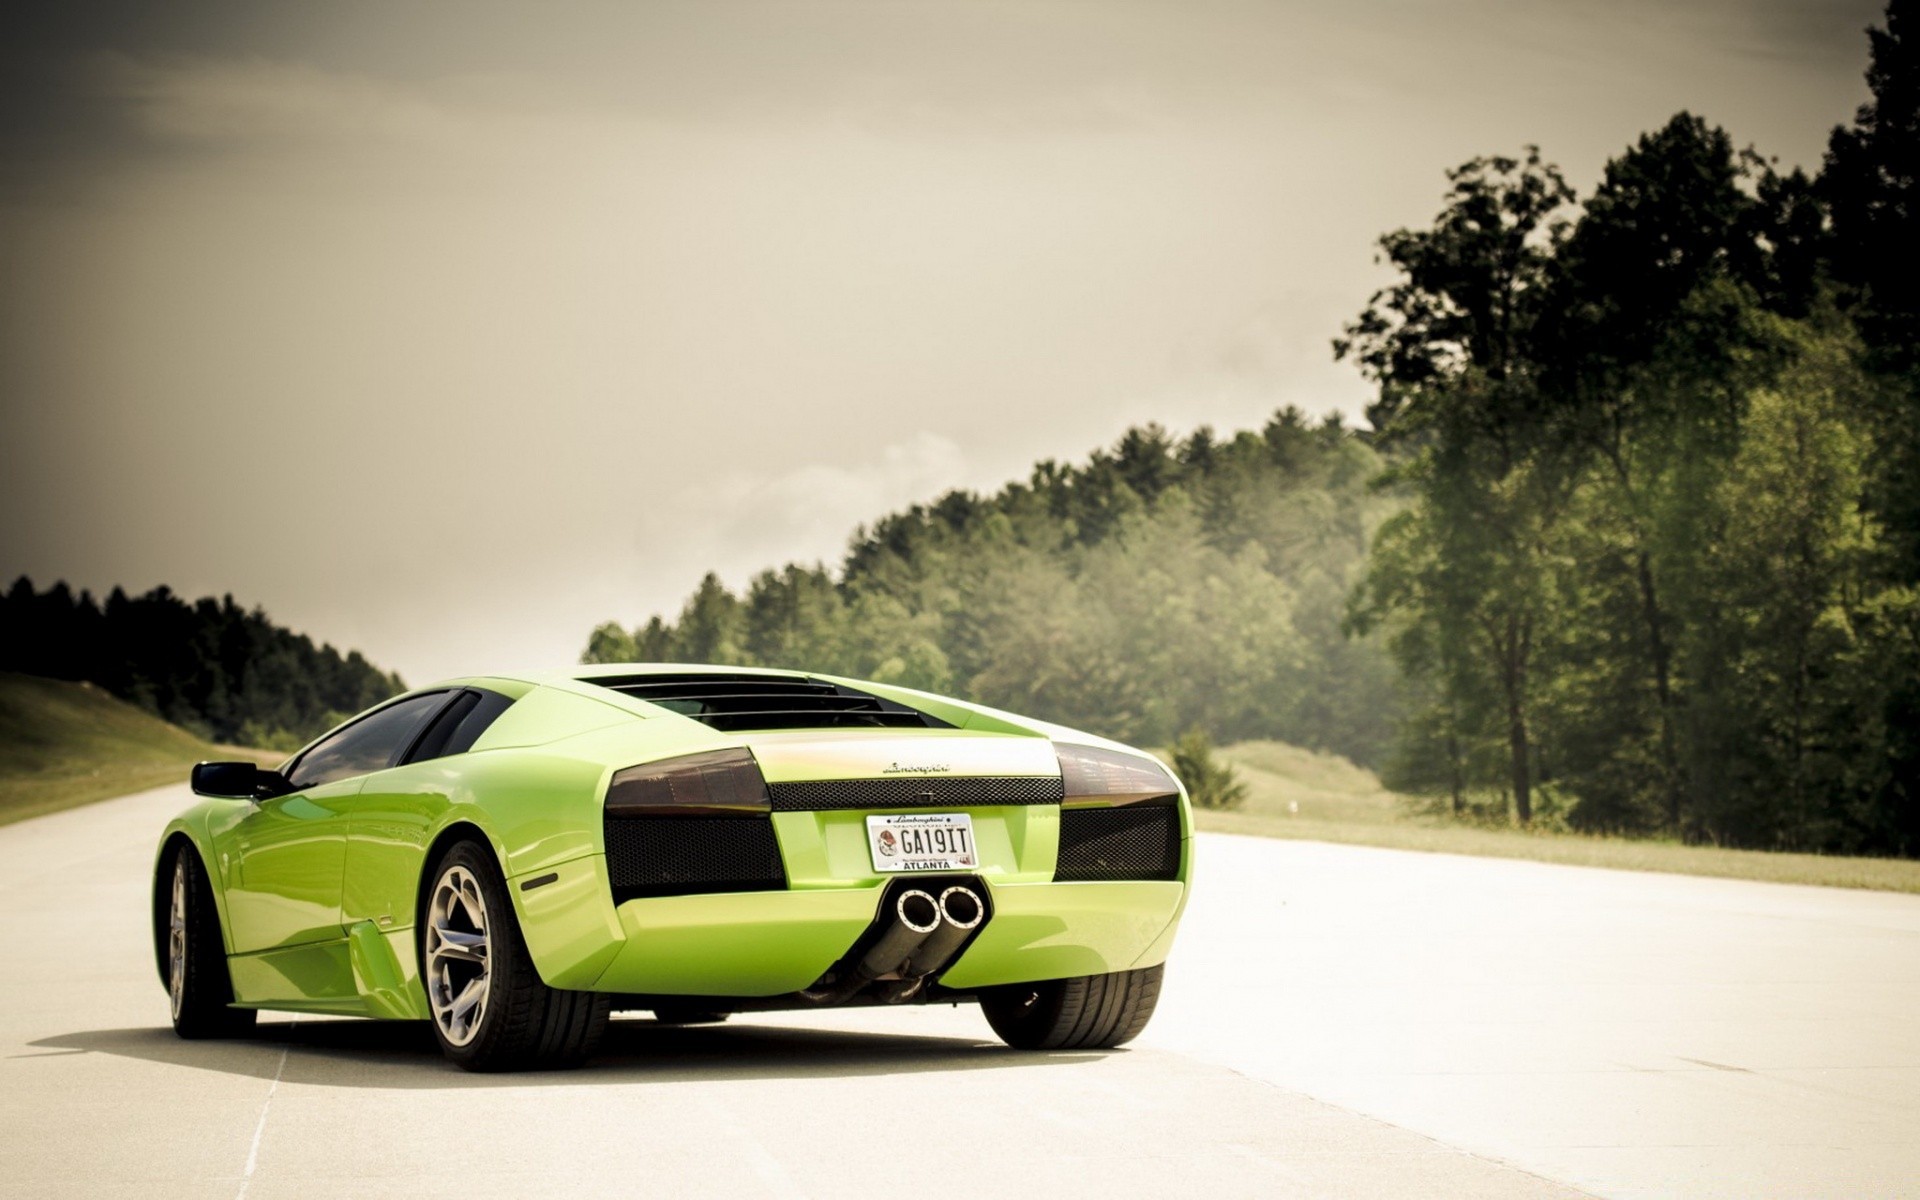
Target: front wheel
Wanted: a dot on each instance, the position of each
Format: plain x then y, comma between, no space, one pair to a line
1086,1012
198,988
491,1011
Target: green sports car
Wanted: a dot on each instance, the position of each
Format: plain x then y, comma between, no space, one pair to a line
510,858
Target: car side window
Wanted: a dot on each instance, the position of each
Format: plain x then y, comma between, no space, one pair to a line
370,744
460,725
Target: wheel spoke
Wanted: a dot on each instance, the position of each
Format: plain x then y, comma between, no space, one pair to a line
461,947
469,997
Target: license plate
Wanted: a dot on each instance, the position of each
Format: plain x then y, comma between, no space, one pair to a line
922,842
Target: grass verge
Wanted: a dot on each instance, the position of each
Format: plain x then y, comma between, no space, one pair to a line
66,744
1295,793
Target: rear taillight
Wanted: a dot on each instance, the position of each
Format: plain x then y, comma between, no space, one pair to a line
1096,778
718,783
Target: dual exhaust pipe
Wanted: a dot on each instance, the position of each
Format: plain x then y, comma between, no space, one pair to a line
920,937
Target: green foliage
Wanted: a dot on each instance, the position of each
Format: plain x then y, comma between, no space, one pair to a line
1471,289
1870,189
1469,565
210,667
1210,783
1655,572
1159,586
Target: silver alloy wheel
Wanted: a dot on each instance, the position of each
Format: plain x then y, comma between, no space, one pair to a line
177,936
457,971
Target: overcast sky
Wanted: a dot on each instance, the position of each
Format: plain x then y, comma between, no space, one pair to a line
449,331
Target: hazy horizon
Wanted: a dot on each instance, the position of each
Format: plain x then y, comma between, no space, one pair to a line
447,333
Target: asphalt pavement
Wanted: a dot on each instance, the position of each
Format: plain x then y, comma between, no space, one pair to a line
1338,1021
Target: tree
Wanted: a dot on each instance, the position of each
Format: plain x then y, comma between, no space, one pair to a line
1465,571
1209,784
211,666
610,643
1638,344
1869,186
1669,214
712,628
1868,183
1471,287
1463,580
1781,731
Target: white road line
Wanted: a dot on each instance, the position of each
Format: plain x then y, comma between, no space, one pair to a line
260,1127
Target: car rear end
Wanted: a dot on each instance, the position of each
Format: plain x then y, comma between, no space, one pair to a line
830,845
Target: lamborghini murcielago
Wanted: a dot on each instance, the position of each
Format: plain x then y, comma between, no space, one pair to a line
510,858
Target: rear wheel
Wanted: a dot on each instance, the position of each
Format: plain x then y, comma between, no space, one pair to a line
199,990
1085,1012
491,1011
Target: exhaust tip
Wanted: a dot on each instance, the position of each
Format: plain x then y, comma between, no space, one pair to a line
918,911
962,907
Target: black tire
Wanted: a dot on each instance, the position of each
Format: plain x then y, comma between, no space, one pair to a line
1087,1012
201,997
524,1025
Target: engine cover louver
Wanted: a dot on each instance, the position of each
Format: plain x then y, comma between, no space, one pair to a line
742,703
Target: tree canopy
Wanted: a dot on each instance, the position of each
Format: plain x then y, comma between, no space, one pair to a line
1657,565
227,673
1162,584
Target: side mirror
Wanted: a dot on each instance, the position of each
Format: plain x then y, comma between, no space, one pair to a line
237,781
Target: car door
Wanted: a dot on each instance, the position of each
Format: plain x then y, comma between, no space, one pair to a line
394,813
282,860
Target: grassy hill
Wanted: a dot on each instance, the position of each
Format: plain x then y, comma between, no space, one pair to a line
1297,793
63,744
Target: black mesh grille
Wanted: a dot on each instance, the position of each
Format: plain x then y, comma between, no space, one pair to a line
736,703
679,856
1139,841
912,791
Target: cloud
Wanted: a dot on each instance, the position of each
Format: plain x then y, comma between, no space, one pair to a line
738,524
810,512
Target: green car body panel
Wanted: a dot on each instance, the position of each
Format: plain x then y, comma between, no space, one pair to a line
319,891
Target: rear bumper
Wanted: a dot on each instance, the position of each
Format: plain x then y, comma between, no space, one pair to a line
769,943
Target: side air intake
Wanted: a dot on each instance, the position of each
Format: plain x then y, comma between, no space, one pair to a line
743,703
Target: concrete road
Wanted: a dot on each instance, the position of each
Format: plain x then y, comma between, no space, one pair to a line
1338,1022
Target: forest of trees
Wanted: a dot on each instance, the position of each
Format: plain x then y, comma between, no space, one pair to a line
1633,543
226,673
1161,585
1659,565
